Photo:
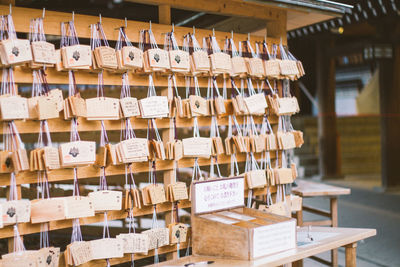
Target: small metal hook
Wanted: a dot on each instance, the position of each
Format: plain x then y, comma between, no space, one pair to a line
150,25
194,30
126,23
100,18
10,9
173,27
44,12
232,35
248,37
213,32
73,16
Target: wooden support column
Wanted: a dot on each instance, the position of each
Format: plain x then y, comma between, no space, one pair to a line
278,28
164,14
329,163
389,95
351,255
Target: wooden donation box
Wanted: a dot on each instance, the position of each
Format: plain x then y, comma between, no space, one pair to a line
223,227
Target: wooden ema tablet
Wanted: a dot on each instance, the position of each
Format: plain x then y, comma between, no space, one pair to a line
134,243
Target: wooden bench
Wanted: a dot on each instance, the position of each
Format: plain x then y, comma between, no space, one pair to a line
325,239
308,189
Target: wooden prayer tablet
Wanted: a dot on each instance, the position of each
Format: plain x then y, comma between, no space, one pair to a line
6,165
154,107
78,253
197,147
43,52
271,142
287,106
286,140
256,67
15,51
201,62
105,57
278,208
179,61
51,256
105,200
107,248
76,57
158,237
198,105
177,191
178,233
298,138
220,63
20,160
158,58
46,210
153,194
133,150
132,57
14,108
239,67
272,68
129,107
256,104
102,108
135,243
219,104
256,179
78,207
27,258
78,153
47,107
15,211
285,175
289,68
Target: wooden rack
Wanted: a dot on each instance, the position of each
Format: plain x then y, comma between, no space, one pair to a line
21,17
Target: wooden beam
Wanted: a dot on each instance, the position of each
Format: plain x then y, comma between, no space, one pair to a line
221,7
278,28
164,14
389,95
329,163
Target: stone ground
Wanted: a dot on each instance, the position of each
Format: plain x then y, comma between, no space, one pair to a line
366,207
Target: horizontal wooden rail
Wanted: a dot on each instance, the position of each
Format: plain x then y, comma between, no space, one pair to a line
29,177
53,19
318,211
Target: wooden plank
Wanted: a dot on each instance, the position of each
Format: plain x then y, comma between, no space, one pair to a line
318,223
62,126
53,19
164,14
29,177
344,237
278,28
306,188
317,211
221,7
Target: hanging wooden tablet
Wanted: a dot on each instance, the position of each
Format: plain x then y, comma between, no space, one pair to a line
132,57
178,233
6,165
178,191
106,57
179,61
80,253
16,211
201,61
134,150
14,108
220,63
77,153
153,194
287,106
197,147
105,200
154,107
256,179
20,160
256,104
46,210
76,56
158,59
16,51
107,248
134,243
51,158
198,105
43,52
298,138
129,107
286,140
20,259
157,237
51,256
272,68
102,108
78,207
271,142
47,107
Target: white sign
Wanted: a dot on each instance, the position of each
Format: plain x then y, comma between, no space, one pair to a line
213,195
274,238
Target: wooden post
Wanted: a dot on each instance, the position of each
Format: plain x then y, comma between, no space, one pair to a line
389,95
278,28
164,14
329,164
334,219
351,255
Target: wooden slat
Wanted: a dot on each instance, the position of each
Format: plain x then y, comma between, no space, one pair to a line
29,177
317,211
318,223
221,7
62,126
22,16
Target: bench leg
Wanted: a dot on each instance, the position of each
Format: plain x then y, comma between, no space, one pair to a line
351,255
334,219
298,263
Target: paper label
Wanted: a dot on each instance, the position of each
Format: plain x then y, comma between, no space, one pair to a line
212,195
